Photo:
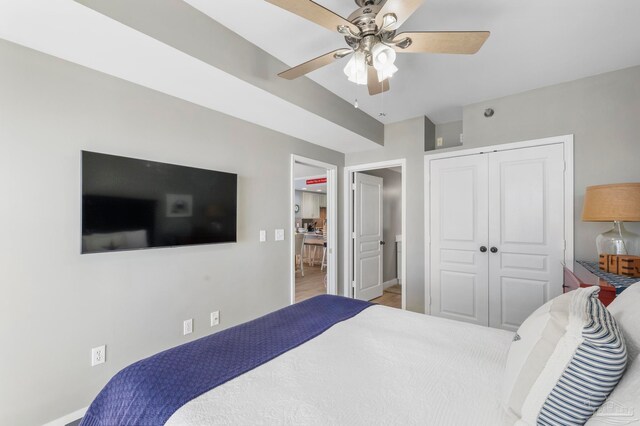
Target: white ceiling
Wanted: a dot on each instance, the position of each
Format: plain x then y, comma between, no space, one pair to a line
304,171
71,31
532,44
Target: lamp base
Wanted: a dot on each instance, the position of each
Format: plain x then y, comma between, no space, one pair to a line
618,241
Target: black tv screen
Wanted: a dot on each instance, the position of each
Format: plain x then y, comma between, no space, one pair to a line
132,204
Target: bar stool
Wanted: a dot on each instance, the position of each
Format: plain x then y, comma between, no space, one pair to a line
324,249
299,252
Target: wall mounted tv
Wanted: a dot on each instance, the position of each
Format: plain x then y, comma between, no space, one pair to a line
132,204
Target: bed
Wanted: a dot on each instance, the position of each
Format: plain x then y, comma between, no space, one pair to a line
382,366
325,361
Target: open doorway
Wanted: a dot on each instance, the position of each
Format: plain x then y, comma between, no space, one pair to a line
375,218
313,224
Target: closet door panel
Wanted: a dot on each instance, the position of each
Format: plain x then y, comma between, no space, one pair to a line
519,297
526,227
458,228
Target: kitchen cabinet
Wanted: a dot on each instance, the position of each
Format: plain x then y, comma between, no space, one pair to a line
310,205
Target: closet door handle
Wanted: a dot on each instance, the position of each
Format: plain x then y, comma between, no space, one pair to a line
494,249
483,249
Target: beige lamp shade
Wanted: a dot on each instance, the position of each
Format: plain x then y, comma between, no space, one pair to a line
609,203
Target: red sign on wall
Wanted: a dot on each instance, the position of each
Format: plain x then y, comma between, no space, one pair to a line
316,181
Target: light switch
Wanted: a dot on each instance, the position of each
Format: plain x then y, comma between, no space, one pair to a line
279,235
263,235
439,142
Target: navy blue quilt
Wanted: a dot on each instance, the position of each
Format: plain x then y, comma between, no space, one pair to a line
150,391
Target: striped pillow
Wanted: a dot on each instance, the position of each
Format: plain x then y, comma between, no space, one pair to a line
584,368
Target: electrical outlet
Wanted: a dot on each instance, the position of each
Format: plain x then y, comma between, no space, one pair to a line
98,355
439,142
215,318
263,235
279,235
187,327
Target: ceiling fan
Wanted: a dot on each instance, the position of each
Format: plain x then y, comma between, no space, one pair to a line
370,32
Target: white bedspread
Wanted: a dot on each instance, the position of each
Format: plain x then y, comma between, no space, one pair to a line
382,367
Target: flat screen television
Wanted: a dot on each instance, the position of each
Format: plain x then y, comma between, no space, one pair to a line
130,204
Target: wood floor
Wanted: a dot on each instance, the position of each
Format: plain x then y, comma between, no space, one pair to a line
391,297
312,284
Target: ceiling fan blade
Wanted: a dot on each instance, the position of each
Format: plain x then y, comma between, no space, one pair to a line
402,9
314,64
463,42
374,86
315,13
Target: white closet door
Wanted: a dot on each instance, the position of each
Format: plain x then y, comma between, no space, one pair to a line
459,228
526,229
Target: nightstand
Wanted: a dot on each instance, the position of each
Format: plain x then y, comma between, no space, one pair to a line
582,277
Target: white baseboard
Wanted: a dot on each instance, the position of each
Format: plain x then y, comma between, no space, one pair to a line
66,419
390,283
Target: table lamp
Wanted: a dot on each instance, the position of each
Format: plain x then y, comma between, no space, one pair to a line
615,203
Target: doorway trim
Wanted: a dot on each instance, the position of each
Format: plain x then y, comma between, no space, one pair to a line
332,219
348,224
567,143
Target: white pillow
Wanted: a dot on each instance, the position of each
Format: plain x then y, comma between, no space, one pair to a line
579,369
623,405
626,310
532,347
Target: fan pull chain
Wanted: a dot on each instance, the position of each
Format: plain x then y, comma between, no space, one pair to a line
355,93
382,113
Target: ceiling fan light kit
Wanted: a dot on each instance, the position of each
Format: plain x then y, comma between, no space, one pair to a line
386,73
383,58
356,69
370,33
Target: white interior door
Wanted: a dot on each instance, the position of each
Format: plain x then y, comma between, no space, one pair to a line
367,242
526,229
459,238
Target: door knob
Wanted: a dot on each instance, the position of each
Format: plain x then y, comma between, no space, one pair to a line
483,249
381,243
494,249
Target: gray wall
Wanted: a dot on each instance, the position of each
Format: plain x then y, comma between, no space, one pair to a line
57,304
429,134
603,112
406,139
450,134
391,218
